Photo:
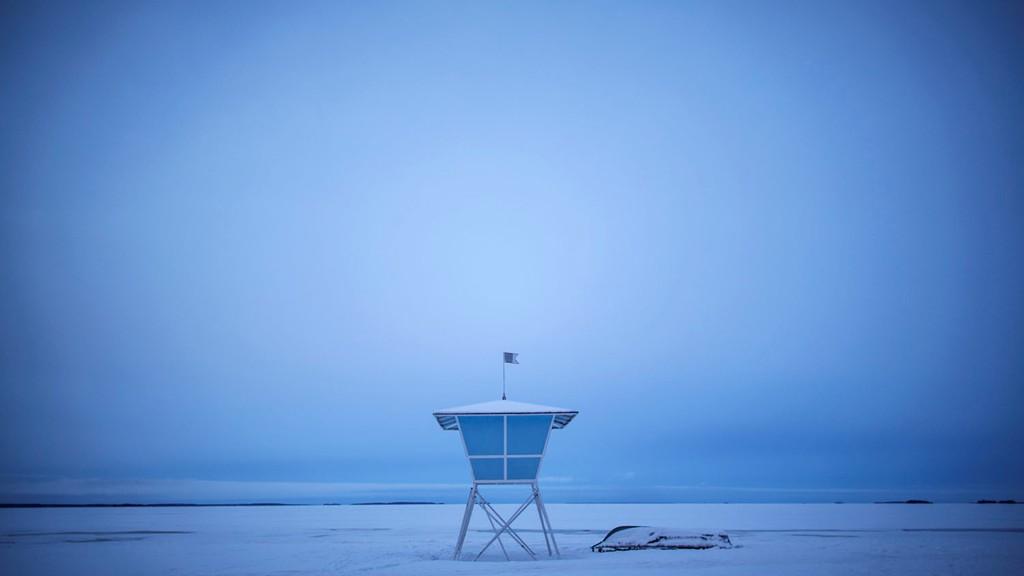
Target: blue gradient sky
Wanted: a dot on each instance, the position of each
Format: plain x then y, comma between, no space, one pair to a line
769,250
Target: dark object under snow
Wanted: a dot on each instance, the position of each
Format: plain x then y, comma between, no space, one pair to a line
651,538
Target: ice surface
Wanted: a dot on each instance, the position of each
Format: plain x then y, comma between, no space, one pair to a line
406,540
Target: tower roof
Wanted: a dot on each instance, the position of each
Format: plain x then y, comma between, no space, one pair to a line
446,418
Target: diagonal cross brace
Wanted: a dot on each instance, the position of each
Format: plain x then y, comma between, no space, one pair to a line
515,536
506,526
494,527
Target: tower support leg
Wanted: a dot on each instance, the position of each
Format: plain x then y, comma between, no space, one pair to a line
465,520
546,522
540,514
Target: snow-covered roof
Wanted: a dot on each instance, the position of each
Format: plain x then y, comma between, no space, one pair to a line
446,418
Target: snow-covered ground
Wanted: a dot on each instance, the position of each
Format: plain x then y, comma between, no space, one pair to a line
768,538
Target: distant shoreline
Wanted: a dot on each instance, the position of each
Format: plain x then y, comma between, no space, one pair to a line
13,505
136,505
196,505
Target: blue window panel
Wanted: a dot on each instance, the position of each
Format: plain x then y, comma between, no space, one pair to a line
523,468
527,434
488,468
484,435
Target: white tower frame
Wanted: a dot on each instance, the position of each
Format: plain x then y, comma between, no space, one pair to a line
451,420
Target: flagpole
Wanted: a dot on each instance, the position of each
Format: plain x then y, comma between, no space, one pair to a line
502,375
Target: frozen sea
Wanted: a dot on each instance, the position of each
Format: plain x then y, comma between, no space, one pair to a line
419,539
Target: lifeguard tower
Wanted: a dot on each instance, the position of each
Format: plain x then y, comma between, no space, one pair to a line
505,443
